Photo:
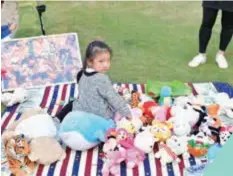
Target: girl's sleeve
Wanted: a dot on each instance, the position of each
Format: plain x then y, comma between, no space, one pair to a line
107,91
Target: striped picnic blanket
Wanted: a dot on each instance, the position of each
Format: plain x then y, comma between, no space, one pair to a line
89,163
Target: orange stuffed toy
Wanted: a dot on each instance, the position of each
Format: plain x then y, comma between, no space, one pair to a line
17,150
213,112
135,96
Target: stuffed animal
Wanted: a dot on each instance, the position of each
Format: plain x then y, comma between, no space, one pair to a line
32,123
17,149
124,93
123,136
191,99
198,144
27,113
178,145
166,155
114,155
202,114
144,141
226,104
127,125
211,127
180,121
213,110
36,126
165,96
136,121
209,122
135,99
40,129
225,134
187,112
161,130
147,107
136,118
20,95
82,131
134,157
160,113
46,150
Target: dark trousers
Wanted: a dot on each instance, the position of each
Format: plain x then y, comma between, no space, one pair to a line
208,20
65,110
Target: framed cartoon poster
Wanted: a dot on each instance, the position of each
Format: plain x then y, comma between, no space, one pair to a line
40,61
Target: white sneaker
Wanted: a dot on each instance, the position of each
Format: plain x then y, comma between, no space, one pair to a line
197,60
221,61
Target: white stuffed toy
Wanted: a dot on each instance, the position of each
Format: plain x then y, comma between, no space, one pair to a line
38,125
179,145
181,125
20,95
166,155
144,141
226,104
184,100
186,112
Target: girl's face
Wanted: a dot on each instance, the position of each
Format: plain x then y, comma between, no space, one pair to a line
101,62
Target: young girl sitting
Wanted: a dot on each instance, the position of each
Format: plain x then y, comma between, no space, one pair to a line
96,93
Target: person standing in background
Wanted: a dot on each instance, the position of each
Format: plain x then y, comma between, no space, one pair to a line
210,11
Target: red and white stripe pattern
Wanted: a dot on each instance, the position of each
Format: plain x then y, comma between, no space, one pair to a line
168,150
89,163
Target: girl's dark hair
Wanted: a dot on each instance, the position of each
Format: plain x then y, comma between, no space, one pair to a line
93,48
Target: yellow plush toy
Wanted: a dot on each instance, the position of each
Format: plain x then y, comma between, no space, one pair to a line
161,130
127,125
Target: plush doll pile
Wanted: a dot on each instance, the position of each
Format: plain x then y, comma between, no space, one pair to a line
31,140
184,125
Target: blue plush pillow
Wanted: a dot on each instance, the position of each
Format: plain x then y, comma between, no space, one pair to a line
82,131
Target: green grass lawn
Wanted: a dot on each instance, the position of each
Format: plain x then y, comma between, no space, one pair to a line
150,40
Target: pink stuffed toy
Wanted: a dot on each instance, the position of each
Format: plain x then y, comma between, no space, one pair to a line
160,113
114,155
134,156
